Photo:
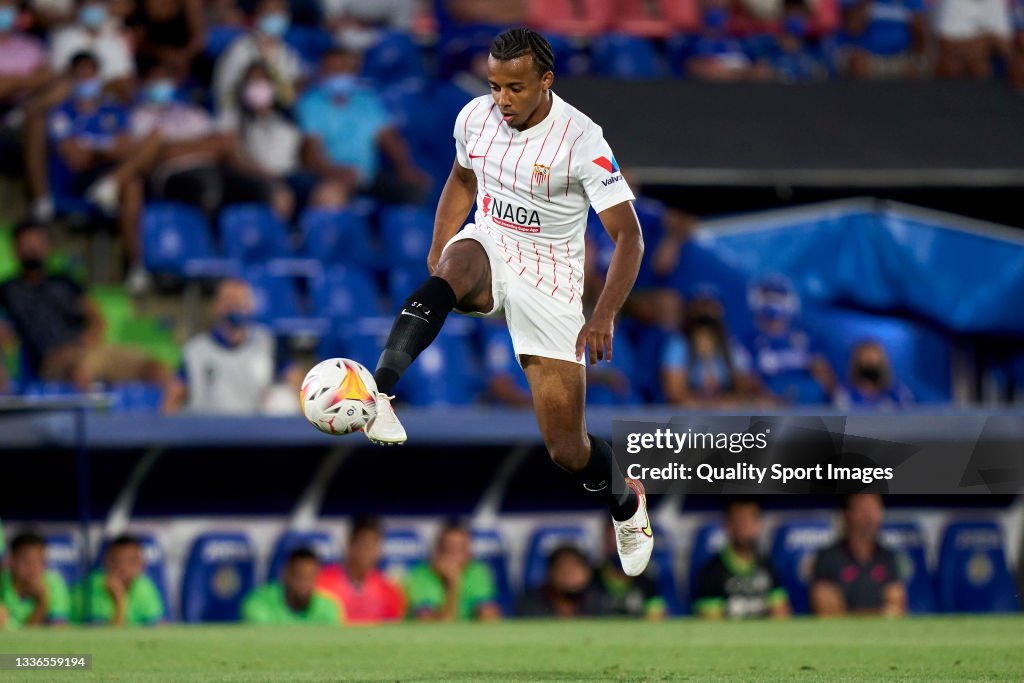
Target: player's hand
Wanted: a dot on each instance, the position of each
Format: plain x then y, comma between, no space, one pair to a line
433,258
596,339
115,587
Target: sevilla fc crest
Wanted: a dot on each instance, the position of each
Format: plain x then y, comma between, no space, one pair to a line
487,204
540,173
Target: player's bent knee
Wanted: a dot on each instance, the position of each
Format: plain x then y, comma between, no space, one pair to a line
464,266
568,454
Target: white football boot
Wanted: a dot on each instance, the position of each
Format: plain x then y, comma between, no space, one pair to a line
634,538
384,427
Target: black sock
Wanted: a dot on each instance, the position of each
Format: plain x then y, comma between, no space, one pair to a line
416,326
597,479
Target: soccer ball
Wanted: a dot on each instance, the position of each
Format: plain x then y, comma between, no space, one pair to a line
338,396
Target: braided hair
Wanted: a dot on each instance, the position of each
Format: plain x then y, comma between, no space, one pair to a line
516,42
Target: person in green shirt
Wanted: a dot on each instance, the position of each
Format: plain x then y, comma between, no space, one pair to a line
120,594
452,585
30,594
294,599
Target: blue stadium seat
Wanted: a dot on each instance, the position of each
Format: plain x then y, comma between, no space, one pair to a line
311,42
543,541
403,281
907,541
156,563
406,232
252,234
218,38
707,542
973,575
336,236
489,548
345,292
403,548
176,241
219,572
276,303
318,541
603,379
499,354
136,397
622,56
48,389
446,372
394,58
792,556
63,555
662,572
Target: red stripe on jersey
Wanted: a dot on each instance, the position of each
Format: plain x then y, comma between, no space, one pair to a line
465,124
483,169
554,290
551,164
568,168
538,282
501,166
536,253
572,282
482,126
515,173
539,151
554,266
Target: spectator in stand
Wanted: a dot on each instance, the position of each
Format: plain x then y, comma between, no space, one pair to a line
794,59
264,43
885,38
366,595
354,128
168,32
568,590
294,599
1017,61
359,24
61,329
271,146
101,33
452,586
654,299
719,56
120,594
972,35
702,365
105,163
31,594
197,162
633,596
737,583
24,72
784,355
870,383
857,574
230,370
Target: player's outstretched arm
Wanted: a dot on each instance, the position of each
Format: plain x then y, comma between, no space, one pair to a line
622,225
457,198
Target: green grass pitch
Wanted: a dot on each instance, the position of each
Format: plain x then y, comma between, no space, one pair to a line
927,650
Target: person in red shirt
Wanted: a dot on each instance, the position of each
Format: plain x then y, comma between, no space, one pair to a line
365,593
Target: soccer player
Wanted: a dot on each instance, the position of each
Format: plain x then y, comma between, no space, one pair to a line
294,599
533,165
120,594
31,594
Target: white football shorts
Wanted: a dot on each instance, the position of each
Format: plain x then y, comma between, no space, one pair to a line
539,323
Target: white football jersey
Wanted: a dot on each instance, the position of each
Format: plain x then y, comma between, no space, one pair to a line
535,188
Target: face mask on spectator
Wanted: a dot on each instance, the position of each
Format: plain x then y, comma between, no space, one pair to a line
236,319
8,15
31,264
88,90
774,311
795,26
93,16
870,373
274,24
340,85
716,17
258,94
161,91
